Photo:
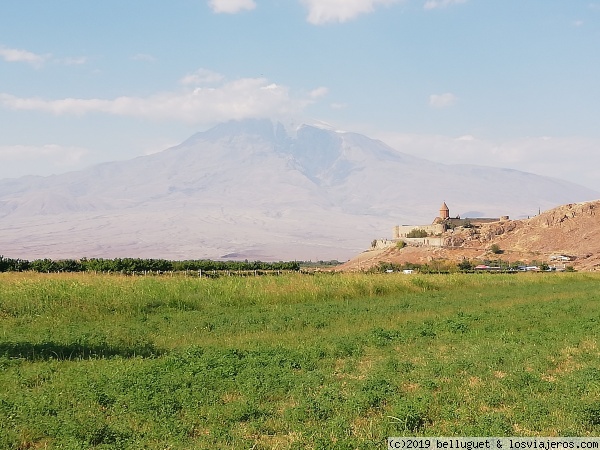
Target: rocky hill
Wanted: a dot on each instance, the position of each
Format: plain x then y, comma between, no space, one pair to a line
571,230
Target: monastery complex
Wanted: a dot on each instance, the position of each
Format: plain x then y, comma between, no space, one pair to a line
433,234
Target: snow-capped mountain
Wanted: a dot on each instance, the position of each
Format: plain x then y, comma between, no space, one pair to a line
253,190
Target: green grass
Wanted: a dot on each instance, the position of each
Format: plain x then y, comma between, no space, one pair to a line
296,361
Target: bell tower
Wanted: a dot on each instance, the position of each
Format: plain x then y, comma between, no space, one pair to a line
444,211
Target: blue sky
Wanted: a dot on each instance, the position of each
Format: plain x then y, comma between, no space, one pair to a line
511,84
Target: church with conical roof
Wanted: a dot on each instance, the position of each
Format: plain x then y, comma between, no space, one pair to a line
444,211
440,224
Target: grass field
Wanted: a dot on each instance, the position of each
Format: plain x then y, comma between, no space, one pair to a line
295,361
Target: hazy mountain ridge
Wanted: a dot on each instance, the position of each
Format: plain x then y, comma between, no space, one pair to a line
254,189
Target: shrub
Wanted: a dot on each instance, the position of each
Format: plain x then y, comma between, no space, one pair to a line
417,233
465,264
495,249
400,245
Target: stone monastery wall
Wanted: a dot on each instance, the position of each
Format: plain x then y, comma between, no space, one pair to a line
400,231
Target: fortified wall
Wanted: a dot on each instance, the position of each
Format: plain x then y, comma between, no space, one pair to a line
429,241
400,231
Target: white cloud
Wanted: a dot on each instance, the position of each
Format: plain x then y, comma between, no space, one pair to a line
323,11
434,4
201,76
16,55
319,92
442,100
238,99
231,6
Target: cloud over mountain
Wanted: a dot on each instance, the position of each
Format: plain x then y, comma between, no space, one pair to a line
197,103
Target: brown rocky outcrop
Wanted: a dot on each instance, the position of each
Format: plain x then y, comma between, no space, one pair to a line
572,230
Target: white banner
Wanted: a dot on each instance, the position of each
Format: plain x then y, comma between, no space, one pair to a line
495,443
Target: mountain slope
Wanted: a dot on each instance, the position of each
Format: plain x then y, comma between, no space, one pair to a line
254,190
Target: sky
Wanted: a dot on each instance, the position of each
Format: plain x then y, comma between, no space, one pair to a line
511,84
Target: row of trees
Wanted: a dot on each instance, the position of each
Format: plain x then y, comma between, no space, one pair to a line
133,265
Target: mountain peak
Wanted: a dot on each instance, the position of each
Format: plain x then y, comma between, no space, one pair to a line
253,188
264,128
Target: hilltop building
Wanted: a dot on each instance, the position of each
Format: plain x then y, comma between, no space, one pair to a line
433,235
440,224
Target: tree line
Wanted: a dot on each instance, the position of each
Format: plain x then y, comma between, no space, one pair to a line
137,265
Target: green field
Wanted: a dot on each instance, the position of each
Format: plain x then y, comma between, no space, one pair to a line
295,361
